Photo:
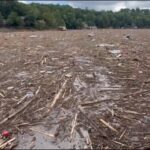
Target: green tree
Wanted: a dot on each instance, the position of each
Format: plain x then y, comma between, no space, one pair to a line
80,24
14,20
50,20
32,16
40,24
7,6
42,16
70,20
1,20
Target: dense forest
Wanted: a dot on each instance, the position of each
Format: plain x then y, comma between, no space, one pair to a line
48,16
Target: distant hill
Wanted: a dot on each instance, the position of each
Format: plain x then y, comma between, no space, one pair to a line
42,16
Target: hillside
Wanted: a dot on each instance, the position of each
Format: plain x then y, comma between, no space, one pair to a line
40,16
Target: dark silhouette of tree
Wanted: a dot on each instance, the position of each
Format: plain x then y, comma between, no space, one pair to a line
42,16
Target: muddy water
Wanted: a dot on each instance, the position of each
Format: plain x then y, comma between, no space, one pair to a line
88,85
37,141
40,141
92,84
56,124
91,80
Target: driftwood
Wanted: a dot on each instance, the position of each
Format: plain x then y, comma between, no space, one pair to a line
22,100
17,112
28,124
100,101
126,79
131,112
89,142
122,144
57,96
6,143
39,109
110,89
2,95
137,92
47,134
111,111
38,90
21,109
74,122
121,136
108,125
92,122
87,138
96,102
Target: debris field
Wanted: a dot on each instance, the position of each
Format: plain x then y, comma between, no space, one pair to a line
75,89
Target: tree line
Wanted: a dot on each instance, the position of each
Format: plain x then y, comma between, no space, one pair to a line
49,16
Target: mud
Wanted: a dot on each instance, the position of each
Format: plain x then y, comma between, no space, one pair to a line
104,103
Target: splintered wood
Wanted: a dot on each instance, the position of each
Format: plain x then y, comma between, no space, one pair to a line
86,135
41,132
74,122
17,112
45,76
7,143
123,133
92,122
108,125
58,95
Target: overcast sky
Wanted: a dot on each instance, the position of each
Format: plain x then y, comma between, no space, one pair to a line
99,5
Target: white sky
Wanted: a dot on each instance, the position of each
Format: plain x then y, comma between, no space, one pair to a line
98,5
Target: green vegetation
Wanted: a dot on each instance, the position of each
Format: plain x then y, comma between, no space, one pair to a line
40,16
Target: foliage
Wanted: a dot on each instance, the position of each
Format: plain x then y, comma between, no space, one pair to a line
14,20
42,16
1,20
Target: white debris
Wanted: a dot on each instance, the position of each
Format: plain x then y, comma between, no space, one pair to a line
22,74
68,75
93,40
105,45
91,34
120,64
10,88
89,75
78,84
29,94
33,36
115,51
